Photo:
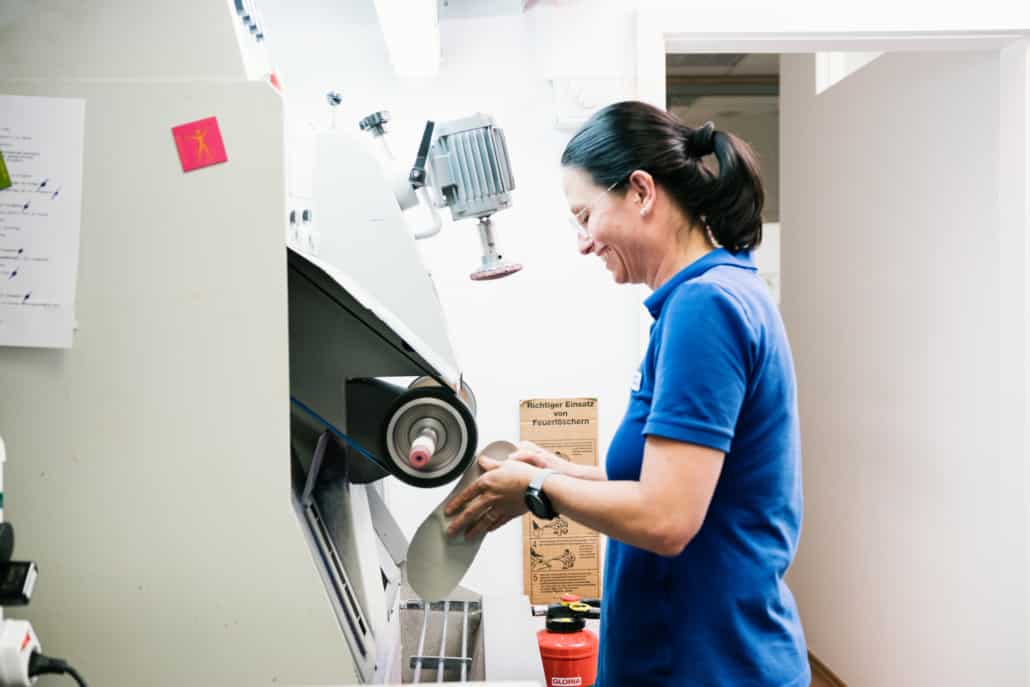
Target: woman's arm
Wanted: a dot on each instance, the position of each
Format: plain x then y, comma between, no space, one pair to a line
660,513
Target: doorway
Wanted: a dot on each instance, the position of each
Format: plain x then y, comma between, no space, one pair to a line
738,92
909,341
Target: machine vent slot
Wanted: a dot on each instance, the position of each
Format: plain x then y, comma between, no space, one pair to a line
351,610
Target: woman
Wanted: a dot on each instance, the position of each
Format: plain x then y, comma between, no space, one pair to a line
702,497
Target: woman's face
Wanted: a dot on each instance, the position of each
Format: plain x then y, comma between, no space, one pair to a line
612,226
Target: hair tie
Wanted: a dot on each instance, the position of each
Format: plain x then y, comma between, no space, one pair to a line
701,142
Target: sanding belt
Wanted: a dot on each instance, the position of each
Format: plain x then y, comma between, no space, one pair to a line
436,563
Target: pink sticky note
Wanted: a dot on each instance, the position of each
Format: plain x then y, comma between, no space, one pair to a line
199,143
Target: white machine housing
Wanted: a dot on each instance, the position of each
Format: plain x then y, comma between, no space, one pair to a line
364,312
362,307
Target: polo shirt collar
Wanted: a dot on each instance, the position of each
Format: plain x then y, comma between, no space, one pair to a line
719,256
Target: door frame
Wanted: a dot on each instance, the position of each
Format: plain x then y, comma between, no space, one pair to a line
731,29
661,31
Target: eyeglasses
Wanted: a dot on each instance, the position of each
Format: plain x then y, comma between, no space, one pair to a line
576,218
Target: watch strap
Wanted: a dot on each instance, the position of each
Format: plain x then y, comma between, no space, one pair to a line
537,482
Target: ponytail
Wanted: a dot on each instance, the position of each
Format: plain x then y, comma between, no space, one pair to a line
730,204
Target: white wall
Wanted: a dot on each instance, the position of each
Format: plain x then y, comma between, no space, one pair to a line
831,67
913,561
558,328
1014,248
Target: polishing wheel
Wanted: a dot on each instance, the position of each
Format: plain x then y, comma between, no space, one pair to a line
496,273
430,436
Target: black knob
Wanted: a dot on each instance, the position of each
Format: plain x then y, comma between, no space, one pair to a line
417,176
375,122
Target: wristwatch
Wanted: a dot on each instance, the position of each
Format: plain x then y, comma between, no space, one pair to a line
536,500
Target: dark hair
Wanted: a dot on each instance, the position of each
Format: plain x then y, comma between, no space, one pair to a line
627,136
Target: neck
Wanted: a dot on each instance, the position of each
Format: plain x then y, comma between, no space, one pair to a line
682,253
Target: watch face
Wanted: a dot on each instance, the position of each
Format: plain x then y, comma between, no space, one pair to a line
537,506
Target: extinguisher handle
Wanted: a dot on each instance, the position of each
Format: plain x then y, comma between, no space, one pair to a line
576,610
567,610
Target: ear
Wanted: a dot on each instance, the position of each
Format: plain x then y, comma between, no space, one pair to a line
642,191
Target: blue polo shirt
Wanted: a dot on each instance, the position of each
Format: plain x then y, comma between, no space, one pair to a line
718,372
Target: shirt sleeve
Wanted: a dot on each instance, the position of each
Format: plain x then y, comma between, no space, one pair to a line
701,367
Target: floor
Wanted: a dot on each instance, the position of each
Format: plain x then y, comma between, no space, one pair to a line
819,681
821,677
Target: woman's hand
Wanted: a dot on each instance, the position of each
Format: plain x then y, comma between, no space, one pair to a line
528,452
492,500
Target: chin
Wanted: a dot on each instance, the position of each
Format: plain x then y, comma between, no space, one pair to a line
617,269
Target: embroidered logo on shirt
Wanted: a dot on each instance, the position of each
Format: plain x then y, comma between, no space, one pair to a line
636,381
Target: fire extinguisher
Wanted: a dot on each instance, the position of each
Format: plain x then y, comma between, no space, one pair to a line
567,649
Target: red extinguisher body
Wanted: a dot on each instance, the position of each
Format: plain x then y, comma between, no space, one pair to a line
569,653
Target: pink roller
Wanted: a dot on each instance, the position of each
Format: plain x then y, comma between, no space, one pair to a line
422,450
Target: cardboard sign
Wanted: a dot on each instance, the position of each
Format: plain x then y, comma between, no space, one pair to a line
199,144
560,556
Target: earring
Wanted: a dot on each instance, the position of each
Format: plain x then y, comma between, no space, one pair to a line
643,211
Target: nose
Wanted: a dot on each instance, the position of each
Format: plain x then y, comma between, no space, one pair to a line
585,244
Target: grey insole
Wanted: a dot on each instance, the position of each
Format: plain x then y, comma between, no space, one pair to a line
436,563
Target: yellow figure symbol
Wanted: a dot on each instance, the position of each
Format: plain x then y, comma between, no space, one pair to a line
202,149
